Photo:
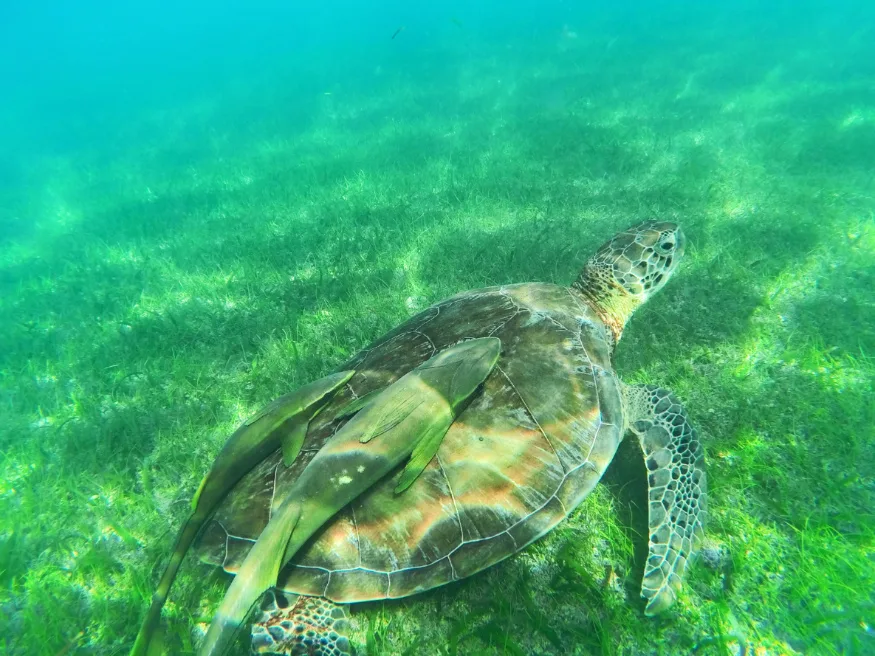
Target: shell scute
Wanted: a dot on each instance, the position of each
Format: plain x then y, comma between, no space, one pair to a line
411,580
307,580
362,583
539,522
473,557
413,531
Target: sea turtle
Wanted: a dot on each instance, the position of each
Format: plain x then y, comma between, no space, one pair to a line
449,444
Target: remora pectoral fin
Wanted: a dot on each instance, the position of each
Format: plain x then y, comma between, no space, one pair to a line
389,412
417,409
293,440
253,441
426,448
358,404
457,373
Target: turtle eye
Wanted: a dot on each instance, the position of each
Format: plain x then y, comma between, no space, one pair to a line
666,246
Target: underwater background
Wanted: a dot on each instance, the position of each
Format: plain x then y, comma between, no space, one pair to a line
204,205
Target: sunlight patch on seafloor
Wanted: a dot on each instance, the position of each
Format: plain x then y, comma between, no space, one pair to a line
857,118
205,289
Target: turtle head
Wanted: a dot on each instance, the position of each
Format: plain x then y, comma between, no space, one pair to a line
629,269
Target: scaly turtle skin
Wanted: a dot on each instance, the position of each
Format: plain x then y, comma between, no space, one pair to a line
516,451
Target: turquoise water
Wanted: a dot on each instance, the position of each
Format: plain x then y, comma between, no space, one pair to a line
203,207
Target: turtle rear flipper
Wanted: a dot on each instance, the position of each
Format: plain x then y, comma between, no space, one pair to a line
677,489
293,624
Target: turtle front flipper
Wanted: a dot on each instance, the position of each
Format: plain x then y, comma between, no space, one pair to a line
677,489
292,624
253,441
416,409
